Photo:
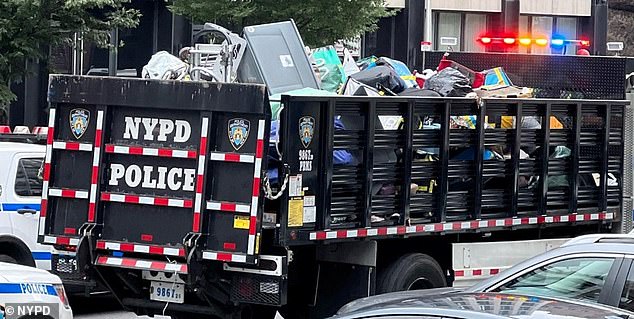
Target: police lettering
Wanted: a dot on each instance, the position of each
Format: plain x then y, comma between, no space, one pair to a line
175,178
178,131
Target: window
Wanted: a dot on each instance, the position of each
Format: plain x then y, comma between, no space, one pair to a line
474,26
579,278
567,27
449,25
541,27
627,297
525,31
27,178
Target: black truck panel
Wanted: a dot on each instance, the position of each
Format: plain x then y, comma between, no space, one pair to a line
161,163
473,165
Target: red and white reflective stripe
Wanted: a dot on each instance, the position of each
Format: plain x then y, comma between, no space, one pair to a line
146,200
198,200
95,168
228,207
60,240
72,146
221,256
67,193
47,170
141,264
231,157
149,151
146,249
259,151
481,272
456,226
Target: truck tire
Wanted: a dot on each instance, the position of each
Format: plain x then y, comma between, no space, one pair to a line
411,272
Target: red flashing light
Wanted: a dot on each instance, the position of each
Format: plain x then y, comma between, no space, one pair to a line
509,41
526,41
584,43
485,40
5,129
40,130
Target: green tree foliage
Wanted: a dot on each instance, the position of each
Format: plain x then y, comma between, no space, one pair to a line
320,22
29,27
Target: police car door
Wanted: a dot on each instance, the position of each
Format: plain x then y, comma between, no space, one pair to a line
22,203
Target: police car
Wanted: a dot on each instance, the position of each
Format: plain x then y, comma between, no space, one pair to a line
21,158
28,291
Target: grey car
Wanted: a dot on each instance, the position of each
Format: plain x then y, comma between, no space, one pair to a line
481,306
593,268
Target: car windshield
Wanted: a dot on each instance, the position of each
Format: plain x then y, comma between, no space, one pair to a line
580,278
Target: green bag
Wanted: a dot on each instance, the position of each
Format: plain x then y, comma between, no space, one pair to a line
330,68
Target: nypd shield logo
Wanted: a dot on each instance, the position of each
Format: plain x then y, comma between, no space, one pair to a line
79,119
238,132
306,130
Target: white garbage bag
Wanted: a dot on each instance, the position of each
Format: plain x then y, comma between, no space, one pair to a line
164,66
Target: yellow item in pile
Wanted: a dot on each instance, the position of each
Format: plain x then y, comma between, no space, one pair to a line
555,123
508,121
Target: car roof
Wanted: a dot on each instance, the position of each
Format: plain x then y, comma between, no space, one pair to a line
22,147
485,305
604,245
14,273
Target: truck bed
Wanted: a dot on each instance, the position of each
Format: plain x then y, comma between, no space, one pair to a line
474,167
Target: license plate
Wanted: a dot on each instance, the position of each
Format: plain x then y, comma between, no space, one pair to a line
167,292
66,264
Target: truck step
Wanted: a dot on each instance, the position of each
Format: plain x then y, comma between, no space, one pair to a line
137,248
140,264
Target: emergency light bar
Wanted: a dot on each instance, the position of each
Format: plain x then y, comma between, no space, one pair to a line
23,130
22,134
556,41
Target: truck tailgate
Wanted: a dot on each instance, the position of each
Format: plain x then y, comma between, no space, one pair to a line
145,165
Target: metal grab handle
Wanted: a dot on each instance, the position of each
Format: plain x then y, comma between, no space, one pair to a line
25,211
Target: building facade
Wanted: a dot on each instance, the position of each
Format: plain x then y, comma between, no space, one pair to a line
466,21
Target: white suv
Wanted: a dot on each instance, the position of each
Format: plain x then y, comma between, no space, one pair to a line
21,158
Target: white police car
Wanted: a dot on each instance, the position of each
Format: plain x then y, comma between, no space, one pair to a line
20,196
28,291
21,158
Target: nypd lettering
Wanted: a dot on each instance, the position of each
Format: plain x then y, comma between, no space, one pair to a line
152,177
154,129
238,130
305,161
79,120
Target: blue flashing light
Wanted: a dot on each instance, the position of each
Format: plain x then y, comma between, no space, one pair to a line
558,41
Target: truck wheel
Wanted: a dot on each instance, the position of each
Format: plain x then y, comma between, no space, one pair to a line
411,272
8,259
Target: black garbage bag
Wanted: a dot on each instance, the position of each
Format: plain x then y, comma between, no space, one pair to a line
381,76
449,82
419,92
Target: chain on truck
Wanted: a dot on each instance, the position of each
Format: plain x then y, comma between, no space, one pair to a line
164,188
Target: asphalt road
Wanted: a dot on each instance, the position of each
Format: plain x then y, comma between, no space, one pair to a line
98,307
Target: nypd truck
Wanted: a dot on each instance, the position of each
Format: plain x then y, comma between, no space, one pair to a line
186,198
